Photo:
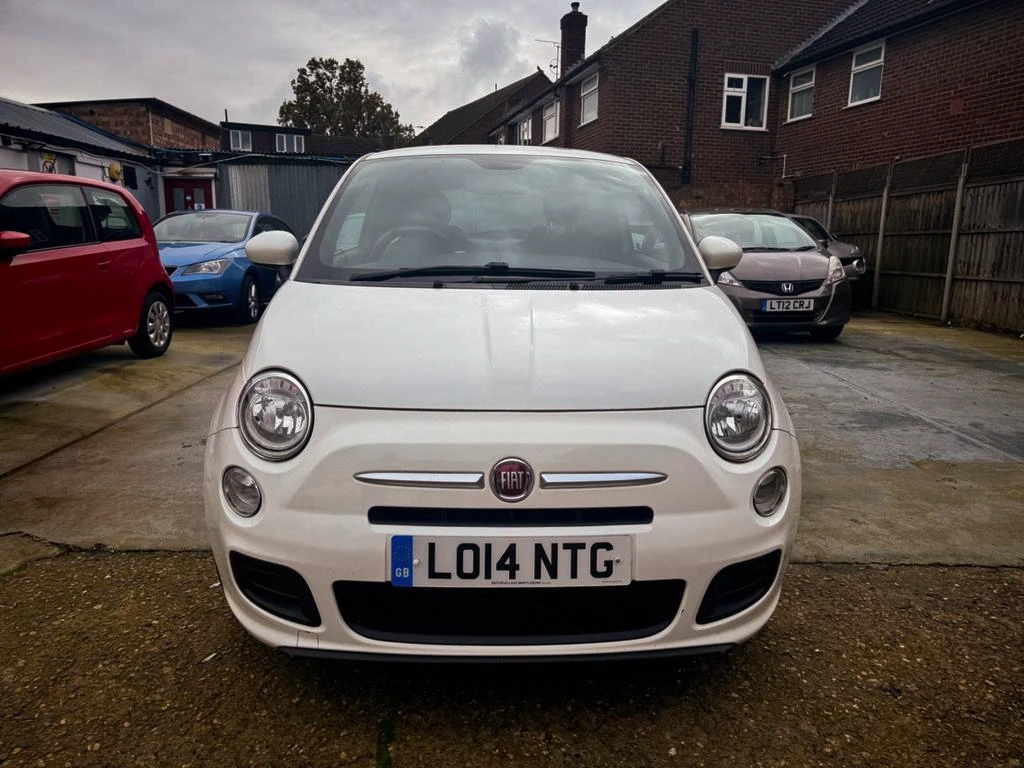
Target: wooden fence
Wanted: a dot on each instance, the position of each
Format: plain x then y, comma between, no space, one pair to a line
943,236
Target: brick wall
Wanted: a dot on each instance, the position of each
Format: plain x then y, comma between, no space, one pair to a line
945,86
132,121
644,92
642,110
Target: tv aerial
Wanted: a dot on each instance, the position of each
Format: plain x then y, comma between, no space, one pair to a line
555,64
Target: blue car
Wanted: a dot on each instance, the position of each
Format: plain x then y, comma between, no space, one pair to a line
204,254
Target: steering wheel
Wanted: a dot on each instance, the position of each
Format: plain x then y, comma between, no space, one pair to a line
389,238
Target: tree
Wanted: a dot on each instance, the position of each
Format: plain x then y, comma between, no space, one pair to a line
334,98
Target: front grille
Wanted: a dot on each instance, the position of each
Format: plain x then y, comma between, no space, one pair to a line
275,588
767,318
508,615
737,587
775,287
183,300
510,516
171,270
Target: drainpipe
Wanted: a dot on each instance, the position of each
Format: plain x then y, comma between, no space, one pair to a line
691,96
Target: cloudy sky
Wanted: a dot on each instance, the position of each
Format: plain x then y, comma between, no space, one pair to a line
424,56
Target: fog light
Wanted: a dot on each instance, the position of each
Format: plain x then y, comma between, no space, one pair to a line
860,266
770,491
242,491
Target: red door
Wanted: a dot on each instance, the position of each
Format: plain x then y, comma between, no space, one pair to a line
188,194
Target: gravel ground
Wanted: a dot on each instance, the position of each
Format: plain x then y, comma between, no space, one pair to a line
134,659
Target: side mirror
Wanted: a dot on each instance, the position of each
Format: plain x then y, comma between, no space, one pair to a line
719,253
13,243
273,249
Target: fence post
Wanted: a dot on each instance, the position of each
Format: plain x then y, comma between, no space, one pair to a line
831,201
881,239
954,238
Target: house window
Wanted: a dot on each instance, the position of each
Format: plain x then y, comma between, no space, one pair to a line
551,122
588,100
525,130
241,141
866,74
801,93
745,102
290,142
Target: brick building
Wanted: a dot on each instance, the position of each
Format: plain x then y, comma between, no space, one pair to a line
471,123
896,80
147,121
656,93
727,101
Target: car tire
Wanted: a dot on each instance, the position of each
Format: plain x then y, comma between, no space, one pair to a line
827,333
156,326
249,301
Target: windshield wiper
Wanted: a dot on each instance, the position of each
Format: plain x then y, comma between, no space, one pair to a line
494,268
654,277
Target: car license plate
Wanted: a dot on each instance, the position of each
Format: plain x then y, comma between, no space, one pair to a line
443,561
787,305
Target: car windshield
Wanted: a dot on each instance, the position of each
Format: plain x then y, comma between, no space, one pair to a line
753,231
506,214
203,227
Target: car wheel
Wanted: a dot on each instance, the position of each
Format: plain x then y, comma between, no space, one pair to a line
249,303
827,333
153,336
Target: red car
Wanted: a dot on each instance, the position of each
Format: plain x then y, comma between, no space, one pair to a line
79,269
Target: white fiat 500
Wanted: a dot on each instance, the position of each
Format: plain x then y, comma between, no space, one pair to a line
500,409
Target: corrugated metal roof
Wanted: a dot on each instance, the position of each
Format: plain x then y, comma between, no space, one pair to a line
25,117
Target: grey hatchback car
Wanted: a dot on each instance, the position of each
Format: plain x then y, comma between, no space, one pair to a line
786,281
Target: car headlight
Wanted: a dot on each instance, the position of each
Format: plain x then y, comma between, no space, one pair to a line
738,417
836,272
275,415
726,278
213,267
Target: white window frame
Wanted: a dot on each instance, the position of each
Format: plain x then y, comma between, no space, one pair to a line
290,142
589,89
524,131
879,63
742,92
551,112
237,143
800,89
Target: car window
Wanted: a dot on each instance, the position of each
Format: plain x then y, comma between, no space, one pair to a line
814,227
268,224
113,219
523,210
751,230
53,215
203,227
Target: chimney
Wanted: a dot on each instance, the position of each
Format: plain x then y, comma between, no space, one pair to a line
574,38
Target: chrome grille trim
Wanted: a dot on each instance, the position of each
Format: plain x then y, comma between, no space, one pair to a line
599,479
424,479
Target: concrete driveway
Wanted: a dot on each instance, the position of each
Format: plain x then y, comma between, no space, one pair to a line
912,437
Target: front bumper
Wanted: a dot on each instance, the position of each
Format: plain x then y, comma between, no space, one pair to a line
315,523
207,292
831,307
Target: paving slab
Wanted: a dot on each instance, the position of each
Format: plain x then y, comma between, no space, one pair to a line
912,438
